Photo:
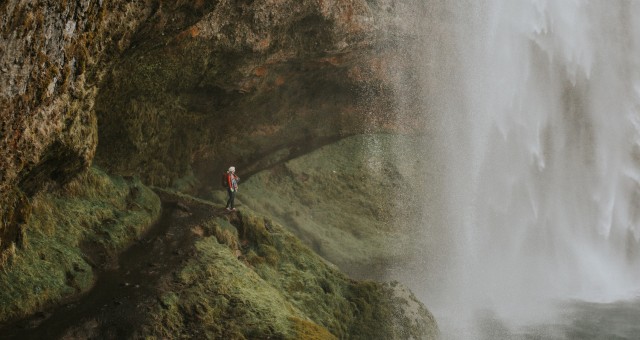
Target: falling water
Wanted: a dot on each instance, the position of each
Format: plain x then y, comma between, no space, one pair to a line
535,112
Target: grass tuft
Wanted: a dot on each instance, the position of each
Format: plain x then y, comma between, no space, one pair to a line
277,289
308,330
94,208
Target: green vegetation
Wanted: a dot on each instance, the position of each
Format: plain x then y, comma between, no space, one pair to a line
347,200
245,277
253,279
95,212
217,297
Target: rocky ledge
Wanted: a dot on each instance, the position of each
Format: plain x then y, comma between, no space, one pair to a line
200,272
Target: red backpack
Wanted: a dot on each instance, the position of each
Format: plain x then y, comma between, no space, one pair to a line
224,181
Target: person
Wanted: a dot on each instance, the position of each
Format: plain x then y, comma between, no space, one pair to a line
232,188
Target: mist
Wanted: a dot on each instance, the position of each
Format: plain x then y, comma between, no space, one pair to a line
531,194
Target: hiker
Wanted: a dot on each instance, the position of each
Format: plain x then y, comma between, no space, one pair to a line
232,187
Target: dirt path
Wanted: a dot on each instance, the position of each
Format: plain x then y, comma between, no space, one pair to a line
127,286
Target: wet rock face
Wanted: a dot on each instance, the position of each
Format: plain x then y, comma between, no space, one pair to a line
241,80
51,57
170,88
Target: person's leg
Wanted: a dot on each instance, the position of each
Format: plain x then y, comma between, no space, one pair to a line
230,198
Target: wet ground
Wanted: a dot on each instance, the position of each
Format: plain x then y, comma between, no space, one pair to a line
126,286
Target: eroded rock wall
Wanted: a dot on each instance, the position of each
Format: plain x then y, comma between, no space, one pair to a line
166,90
248,83
52,54
175,90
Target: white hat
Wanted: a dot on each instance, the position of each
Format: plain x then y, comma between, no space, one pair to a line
232,169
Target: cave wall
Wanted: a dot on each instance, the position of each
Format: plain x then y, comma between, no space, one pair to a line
166,89
248,83
52,54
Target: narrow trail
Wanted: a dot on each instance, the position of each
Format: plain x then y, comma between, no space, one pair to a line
126,287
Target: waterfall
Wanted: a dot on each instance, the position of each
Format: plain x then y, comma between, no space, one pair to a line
535,105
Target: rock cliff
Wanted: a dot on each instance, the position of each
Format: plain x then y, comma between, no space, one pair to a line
53,55
243,80
172,89
169,93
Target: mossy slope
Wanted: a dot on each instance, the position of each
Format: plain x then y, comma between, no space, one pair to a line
345,200
253,279
93,211
246,277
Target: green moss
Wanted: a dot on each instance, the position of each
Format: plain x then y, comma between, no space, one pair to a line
269,253
187,183
310,331
276,289
16,213
227,236
224,299
346,308
94,207
345,200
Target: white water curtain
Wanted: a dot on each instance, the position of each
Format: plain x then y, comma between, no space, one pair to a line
544,189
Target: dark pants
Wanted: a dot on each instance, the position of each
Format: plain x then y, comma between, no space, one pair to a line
232,196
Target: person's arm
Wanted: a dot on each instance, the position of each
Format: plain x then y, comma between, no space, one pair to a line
237,180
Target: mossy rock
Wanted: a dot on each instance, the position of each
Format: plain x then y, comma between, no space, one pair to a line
94,211
273,286
348,200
